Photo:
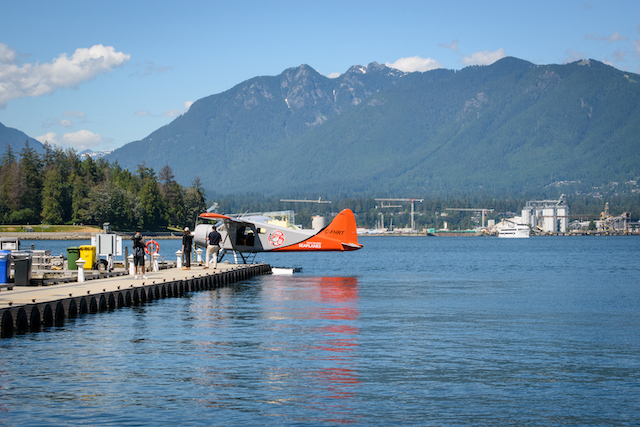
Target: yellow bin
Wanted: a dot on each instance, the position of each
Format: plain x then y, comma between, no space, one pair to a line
88,253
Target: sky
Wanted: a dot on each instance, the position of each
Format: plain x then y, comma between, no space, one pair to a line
100,74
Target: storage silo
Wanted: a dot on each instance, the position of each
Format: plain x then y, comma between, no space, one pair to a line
318,222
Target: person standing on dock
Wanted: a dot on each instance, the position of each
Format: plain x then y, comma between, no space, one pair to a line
187,243
138,254
213,246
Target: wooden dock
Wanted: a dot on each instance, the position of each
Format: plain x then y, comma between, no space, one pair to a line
31,308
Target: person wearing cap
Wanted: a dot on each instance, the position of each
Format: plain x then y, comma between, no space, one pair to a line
187,243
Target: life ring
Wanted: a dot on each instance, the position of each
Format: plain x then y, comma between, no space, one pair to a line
152,242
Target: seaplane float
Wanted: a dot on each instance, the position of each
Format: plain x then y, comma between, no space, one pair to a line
246,235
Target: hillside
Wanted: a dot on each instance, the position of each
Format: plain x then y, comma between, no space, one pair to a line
509,128
16,140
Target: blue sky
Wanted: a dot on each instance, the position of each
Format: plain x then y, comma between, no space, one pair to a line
100,74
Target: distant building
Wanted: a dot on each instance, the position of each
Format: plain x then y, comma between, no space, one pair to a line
549,215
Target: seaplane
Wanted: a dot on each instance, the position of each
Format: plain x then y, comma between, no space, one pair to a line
245,235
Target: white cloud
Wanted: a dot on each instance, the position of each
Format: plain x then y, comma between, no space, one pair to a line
636,45
17,81
49,137
573,56
76,114
81,140
172,113
453,45
66,123
484,57
7,55
334,75
615,37
169,113
149,68
415,63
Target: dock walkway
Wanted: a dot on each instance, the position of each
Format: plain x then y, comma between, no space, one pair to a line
30,308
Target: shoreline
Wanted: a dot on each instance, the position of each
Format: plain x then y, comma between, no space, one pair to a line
62,235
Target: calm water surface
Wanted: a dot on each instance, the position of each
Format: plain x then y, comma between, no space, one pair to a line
409,331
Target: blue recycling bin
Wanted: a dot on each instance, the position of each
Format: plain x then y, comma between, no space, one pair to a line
5,266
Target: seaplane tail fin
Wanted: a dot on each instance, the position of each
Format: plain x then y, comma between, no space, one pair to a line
343,228
340,235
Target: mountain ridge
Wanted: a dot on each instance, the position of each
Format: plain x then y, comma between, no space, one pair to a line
510,128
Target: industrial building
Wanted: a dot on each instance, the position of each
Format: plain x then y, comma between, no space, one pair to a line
547,215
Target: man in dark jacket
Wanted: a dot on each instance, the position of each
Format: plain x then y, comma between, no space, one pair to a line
187,243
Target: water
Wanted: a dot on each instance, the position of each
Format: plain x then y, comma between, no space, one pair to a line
409,331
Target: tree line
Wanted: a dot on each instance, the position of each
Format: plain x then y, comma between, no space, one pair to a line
58,187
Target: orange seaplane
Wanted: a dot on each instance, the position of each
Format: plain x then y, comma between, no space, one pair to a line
253,233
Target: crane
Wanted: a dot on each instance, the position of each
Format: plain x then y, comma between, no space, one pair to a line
413,227
483,210
306,201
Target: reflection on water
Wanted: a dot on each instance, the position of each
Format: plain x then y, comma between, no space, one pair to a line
330,305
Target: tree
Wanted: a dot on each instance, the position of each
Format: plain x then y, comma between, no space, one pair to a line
31,168
153,206
52,197
194,202
170,190
79,200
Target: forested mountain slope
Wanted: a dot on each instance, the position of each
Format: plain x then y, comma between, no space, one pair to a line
508,128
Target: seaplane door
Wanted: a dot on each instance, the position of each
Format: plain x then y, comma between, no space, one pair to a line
243,237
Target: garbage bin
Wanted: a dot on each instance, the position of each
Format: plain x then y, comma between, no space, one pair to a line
5,266
72,257
88,253
21,268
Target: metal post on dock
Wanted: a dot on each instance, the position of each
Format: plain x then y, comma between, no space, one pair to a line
132,268
80,263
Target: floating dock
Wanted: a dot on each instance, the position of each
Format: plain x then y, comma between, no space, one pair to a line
30,308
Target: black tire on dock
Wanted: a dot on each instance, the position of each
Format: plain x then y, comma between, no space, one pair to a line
35,322
83,308
93,305
102,303
47,316
59,314
72,308
111,302
6,325
22,322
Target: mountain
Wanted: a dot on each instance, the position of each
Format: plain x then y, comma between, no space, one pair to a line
93,154
508,128
16,140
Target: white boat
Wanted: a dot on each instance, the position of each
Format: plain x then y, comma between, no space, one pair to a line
517,231
285,270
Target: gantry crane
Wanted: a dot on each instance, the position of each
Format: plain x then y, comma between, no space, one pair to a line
483,210
413,226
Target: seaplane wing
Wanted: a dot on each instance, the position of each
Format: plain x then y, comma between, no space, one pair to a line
255,234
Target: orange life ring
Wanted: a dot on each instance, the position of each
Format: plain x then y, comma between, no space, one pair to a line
146,248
